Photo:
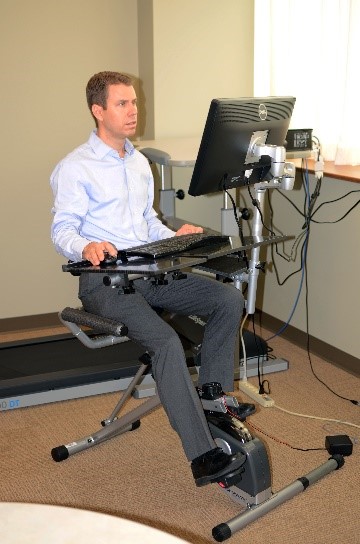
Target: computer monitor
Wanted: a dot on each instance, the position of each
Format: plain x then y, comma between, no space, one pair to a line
228,156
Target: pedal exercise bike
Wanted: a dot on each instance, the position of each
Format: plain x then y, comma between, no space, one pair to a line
250,486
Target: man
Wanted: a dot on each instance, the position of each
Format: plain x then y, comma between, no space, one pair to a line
103,202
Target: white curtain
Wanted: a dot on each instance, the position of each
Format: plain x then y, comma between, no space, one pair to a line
310,49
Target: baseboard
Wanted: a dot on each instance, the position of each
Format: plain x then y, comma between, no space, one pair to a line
29,322
317,347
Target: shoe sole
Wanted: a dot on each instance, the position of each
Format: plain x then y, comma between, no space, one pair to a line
230,470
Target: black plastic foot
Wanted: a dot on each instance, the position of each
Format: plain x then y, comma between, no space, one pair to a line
221,532
135,425
60,453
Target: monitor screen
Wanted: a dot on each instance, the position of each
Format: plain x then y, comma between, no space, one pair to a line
233,127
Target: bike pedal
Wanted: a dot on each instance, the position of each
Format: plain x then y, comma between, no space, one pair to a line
230,479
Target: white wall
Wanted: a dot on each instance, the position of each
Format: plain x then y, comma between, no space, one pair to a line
201,50
185,53
333,268
48,51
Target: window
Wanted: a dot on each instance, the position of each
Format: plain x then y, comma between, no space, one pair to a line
310,49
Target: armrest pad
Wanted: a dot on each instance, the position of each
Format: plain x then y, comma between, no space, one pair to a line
96,322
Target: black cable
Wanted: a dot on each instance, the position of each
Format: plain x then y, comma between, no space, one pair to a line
237,218
291,202
337,220
295,244
308,221
262,383
287,259
255,203
238,222
280,283
317,148
304,252
308,335
309,203
335,200
313,199
251,424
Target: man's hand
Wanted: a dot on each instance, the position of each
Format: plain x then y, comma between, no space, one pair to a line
94,252
188,229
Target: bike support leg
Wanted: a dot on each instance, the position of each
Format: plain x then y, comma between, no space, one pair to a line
226,530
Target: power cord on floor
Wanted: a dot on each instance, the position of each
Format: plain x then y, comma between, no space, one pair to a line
283,442
340,421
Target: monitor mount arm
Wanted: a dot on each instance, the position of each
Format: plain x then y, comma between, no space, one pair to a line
282,176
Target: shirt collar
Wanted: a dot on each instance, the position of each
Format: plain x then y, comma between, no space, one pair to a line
101,149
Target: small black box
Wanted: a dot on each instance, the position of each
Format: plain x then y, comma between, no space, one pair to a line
340,443
299,139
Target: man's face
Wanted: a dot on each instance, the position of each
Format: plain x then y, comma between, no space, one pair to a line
118,120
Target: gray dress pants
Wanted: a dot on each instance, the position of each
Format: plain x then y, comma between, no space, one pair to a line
221,303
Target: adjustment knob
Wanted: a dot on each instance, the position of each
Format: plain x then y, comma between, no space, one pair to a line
180,194
245,214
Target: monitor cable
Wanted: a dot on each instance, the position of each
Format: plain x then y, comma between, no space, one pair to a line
255,203
264,384
238,217
304,276
309,203
331,202
353,401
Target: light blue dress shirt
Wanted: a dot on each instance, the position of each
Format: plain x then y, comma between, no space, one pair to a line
99,196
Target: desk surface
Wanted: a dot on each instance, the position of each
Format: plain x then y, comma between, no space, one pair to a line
190,259
183,152
22,523
332,170
143,267
170,151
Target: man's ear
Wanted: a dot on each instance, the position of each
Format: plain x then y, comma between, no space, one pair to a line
97,111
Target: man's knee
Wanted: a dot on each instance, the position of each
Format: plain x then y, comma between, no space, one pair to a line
172,344
169,356
233,300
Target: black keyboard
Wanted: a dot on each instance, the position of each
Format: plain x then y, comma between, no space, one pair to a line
175,245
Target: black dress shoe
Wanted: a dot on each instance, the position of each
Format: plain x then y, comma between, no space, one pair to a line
214,465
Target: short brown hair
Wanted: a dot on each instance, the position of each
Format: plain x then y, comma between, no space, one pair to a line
98,84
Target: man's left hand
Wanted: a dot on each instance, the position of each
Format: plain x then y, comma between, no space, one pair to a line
188,229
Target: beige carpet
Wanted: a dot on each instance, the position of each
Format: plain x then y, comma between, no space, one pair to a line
144,476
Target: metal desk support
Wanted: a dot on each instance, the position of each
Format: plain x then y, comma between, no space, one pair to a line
183,152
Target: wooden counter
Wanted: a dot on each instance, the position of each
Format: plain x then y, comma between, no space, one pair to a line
331,170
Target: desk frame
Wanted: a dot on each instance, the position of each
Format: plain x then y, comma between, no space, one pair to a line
183,152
